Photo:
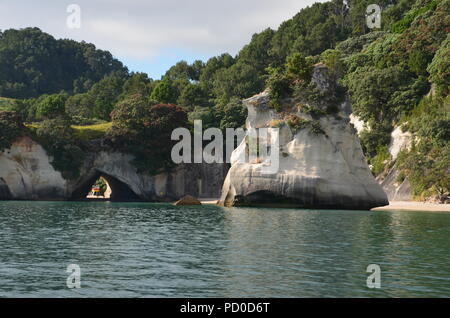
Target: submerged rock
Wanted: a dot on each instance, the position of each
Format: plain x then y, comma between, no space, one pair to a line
321,163
188,200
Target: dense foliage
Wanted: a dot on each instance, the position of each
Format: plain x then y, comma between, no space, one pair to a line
144,128
388,81
387,73
59,140
10,128
427,162
34,63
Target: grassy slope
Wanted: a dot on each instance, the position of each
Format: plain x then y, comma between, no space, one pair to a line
91,131
84,132
6,103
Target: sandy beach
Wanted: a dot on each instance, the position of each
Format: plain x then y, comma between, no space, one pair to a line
395,205
209,201
414,206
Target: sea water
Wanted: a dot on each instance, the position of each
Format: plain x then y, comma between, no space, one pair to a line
160,250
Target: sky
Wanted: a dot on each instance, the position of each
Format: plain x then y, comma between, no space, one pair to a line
152,35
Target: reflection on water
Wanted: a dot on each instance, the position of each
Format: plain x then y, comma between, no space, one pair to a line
148,250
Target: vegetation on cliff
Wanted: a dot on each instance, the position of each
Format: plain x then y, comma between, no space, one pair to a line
396,75
10,128
33,63
143,128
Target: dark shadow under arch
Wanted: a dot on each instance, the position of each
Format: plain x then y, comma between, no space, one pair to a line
120,191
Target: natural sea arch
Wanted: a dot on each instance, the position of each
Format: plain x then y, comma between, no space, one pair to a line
120,191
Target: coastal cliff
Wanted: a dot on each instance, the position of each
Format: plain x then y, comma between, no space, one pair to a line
396,188
27,174
5,194
321,163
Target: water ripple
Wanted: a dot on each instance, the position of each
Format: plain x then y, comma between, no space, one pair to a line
158,250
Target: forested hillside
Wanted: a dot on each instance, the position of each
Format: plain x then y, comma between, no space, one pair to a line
33,63
398,75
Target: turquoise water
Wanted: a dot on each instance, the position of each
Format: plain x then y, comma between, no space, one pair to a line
159,250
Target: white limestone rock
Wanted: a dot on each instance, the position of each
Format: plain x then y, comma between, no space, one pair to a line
316,170
26,173
399,140
26,170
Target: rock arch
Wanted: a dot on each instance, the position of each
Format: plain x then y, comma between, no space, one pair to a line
120,191
26,173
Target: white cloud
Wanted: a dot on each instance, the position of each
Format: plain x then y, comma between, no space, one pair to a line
139,42
143,29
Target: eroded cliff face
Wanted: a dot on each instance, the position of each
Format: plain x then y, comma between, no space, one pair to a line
26,173
316,170
200,180
396,190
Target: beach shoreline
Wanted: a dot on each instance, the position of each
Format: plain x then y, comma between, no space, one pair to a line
394,205
414,206
209,201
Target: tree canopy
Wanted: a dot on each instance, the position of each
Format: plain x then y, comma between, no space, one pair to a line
33,63
394,76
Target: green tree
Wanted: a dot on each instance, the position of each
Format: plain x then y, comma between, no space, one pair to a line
11,127
257,52
137,83
145,129
196,70
212,66
334,61
439,68
79,108
418,62
240,80
52,106
193,95
105,94
379,95
297,67
57,137
182,70
207,115
280,86
164,92
231,115
33,63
